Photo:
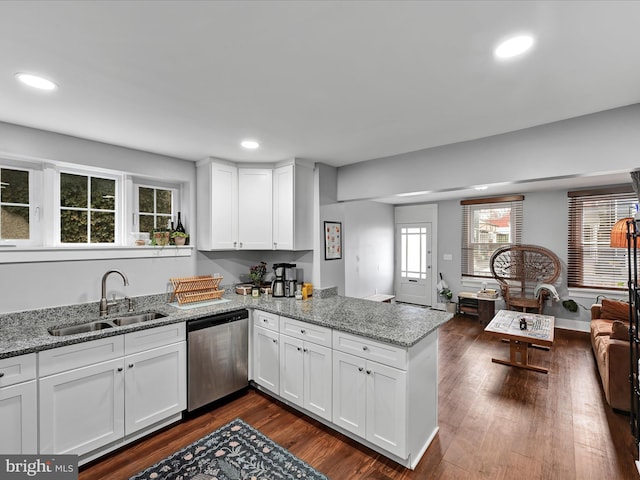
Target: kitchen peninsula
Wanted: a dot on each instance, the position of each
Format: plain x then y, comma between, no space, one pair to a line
382,358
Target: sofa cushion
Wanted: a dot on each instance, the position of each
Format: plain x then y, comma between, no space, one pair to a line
614,310
619,330
601,327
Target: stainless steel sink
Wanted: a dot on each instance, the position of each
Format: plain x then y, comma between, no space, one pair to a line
121,321
130,319
82,328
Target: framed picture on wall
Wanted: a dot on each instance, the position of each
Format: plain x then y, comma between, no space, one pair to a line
332,240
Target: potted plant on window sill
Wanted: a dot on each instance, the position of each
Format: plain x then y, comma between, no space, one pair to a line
160,237
179,238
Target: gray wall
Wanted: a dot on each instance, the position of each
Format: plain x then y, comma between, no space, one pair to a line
605,142
368,248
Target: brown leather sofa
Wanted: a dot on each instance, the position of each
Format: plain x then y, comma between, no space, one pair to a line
610,342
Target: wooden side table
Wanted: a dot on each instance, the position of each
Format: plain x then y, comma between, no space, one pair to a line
483,307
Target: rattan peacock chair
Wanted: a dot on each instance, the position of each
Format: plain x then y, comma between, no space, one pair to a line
518,269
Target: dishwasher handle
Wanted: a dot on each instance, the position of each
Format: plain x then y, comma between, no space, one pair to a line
217,319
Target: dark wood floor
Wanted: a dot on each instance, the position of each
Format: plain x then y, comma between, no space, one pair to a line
496,422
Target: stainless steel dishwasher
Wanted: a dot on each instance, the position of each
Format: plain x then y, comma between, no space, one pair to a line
217,357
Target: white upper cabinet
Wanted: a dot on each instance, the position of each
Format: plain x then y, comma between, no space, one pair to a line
217,212
293,207
255,208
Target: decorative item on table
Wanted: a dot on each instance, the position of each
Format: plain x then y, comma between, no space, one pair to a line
488,293
160,237
256,272
244,289
179,238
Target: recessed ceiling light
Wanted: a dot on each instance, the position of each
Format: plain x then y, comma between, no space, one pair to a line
412,194
514,46
36,81
250,144
481,187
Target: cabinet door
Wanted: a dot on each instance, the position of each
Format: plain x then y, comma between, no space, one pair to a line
317,380
217,212
283,208
291,369
349,392
255,209
155,386
18,417
82,409
266,359
386,407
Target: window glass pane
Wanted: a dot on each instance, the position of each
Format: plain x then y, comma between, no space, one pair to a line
163,221
145,200
413,253
163,201
103,193
73,190
102,227
73,226
14,223
146,223
15,186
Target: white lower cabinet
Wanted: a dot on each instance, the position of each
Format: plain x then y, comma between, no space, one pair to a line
305,375
369,399
266,358
94,405
155,386
18,405
82,409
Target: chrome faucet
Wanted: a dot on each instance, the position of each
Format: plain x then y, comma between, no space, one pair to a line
104,304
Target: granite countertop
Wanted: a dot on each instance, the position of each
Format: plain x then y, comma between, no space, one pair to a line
398,324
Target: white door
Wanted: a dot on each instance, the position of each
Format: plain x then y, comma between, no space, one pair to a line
291,369
349,392
317,380
155,386
18,417
386,407
413,260
266,359
82,409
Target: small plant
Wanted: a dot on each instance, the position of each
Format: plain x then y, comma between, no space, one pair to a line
446,293
256,272
179,235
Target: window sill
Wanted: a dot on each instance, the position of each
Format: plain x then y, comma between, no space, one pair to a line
10,254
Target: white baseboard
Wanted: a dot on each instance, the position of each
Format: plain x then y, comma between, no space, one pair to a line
569,324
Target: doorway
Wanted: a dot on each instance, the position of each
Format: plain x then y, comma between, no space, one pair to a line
413,260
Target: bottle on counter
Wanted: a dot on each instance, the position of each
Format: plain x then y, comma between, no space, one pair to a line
179,226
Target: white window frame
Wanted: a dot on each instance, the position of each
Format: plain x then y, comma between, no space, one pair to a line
136,183
35,200
44,244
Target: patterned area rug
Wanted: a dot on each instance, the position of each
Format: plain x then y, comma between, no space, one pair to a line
236,451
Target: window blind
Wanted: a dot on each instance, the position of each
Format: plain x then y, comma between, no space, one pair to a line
488,223
592,263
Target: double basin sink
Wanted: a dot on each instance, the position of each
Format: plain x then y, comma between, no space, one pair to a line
121,321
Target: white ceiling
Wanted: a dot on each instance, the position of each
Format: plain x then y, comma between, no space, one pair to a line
337,82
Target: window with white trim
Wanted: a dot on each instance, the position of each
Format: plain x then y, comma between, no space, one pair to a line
156,207
592,263
87,210
488,224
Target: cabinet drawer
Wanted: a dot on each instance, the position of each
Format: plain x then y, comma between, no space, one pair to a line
266,320
17,369
135,342
306,331
370,349
80,354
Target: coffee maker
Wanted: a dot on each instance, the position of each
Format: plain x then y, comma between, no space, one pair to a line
278,284
290,279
